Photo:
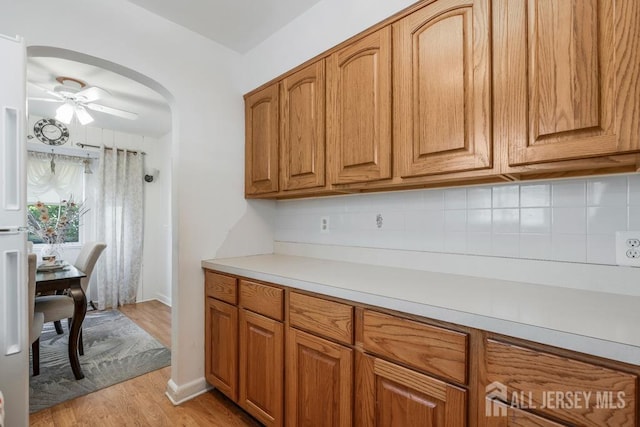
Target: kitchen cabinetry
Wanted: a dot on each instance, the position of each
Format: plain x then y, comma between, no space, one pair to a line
560,388
221,334
574,79
442,89
359,110
261,141
302,128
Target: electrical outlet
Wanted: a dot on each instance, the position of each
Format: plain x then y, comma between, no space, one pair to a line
628,248
324,224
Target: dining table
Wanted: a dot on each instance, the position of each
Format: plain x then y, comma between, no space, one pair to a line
67,279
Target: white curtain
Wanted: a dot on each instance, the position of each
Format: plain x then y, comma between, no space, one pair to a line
120,225
51,184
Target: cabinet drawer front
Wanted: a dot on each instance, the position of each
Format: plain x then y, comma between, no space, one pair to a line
328,318
221,287
429,348
576,392
261,299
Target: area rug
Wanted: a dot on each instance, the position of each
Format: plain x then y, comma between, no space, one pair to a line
115,350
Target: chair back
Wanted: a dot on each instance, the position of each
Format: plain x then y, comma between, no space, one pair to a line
32,263
87,259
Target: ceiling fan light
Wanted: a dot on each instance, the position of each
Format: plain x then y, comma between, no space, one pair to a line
83,116
64,113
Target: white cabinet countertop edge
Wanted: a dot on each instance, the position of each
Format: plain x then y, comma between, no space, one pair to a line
597,323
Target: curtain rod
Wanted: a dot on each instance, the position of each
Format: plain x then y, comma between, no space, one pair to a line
81,145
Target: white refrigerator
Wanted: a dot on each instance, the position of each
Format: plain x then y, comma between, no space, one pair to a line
14,311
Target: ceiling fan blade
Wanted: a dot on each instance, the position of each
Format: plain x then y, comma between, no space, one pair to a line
91,94
48,92
45,99
112,111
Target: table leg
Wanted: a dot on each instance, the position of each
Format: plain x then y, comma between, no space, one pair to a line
79,311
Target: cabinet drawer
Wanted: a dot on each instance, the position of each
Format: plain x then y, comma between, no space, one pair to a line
550,384
429,348
261,299
221,287
328,318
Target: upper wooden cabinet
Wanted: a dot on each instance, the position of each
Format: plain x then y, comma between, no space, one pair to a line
574,78
442,89
261,141
302,125
359,110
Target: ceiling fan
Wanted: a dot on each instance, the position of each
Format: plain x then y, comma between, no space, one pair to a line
76,97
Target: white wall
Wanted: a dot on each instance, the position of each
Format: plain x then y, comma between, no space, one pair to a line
207,142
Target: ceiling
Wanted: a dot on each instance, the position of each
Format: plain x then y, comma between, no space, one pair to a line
237,24
154,114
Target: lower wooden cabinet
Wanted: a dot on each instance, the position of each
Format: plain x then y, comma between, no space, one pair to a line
261,367
319,381
506,416
391,395
221,347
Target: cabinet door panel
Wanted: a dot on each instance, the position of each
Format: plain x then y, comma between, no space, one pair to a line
395,396
302,128
573,71
319,381
261,367
359,110
502,415
261,141
442,89
221,347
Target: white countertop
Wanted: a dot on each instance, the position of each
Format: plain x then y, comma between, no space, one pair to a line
598,323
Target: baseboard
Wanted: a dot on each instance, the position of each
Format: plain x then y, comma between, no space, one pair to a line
180,394
163,299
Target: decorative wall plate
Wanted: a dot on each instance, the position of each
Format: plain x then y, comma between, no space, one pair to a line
51,132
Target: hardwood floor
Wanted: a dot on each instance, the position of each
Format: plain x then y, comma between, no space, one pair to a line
141,401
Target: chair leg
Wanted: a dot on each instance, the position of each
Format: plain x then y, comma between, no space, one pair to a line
58,326
35,350
80,344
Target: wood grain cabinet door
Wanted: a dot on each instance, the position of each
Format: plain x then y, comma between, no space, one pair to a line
302,128
261,141
261,367
498,414
573,78
389,395
319,381
442,89
359,110
221,347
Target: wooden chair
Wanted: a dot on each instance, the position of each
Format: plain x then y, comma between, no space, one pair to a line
36,319
58,307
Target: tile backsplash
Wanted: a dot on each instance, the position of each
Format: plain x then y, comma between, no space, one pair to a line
561,220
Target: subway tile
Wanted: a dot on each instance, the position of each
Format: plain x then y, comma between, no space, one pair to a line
432,240
455,198
568,193
506,220
607,191
601,249
417,221
391,220
634,218
479,243
569,247
455,220
634,189
455,242
434,220
535,195
535,220
569,220
478,197
606,219
535,246
433,199
506,196
505,244
479,220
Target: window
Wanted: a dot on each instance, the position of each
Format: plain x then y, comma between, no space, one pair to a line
52,181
